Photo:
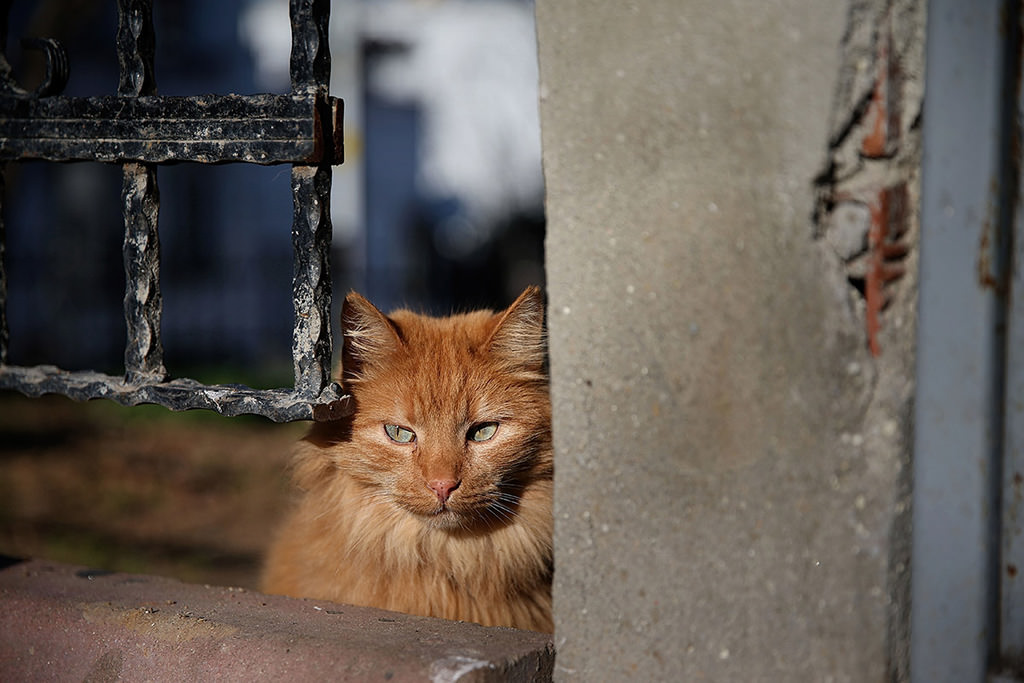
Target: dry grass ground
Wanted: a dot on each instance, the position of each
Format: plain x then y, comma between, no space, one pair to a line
189,495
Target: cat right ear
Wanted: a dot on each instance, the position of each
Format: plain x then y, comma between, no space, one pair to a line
367,336
518,335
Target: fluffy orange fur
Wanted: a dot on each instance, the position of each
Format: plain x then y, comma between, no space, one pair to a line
448,524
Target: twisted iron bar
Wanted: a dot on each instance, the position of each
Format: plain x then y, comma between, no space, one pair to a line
152,134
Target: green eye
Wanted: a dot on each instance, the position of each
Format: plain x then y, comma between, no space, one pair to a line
482,432
400,434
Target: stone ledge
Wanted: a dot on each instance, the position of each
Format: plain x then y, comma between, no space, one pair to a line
60,622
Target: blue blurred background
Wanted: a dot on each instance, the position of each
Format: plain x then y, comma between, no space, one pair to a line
438,206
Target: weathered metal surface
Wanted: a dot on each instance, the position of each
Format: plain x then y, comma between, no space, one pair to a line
311,52
136,46
143,356
57,69
260,129
1011,564
279,405
140,203
7,84
3,274
967,192
139,129
311,223
311,283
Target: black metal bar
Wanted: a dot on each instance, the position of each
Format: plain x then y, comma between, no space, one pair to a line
311,54
6,83
139,129
140,197
136,47
140,201
311,226
261,129
57,68
311,284
3,269
279,405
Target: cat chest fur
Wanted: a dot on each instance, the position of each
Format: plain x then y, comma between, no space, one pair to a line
384,558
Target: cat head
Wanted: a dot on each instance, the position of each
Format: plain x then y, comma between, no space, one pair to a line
452,415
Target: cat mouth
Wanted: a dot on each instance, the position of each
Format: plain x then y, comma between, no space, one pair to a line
448,516
443,517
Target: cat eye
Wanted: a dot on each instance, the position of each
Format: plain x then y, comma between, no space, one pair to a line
482,432
400,434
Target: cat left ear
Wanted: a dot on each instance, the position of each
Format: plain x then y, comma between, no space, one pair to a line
519,333
367,335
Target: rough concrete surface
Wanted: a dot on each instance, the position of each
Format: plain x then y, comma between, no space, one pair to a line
60,622
724,501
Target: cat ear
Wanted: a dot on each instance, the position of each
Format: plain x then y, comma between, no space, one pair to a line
518,335
367,335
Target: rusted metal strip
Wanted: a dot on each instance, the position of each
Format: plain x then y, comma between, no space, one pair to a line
279,405
260,129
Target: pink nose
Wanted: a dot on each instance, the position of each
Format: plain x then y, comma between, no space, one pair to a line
443,488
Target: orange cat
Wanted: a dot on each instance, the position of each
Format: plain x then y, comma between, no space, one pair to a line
434,497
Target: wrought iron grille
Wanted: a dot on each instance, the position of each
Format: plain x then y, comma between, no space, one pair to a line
140,130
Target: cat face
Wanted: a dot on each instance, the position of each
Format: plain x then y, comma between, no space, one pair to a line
452,416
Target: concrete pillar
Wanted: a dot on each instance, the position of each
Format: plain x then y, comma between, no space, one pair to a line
724,493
